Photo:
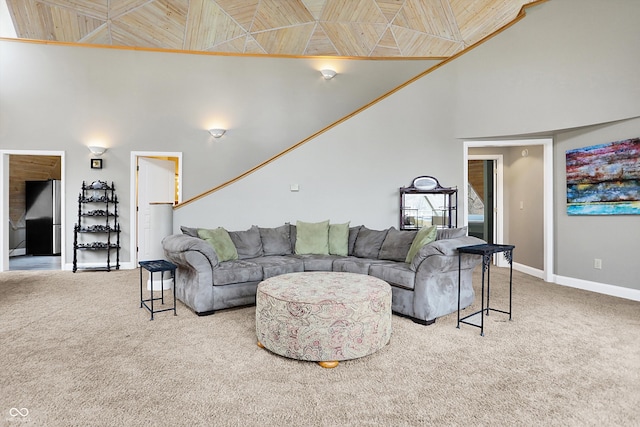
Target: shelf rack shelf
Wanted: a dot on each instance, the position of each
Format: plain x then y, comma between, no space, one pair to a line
97,228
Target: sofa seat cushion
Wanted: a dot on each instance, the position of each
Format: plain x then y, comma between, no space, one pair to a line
318,262
277,265
356,265
236,271
397,274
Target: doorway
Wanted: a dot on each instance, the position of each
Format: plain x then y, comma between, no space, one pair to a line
156,179
482,202
17,168
547,273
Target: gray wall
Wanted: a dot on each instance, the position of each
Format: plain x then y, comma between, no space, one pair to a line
580,239
351,172
569,64
525,178
536,78
55,97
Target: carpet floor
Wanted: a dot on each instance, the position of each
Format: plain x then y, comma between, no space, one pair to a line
78,351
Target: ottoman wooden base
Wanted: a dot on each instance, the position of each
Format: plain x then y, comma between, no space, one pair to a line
323,316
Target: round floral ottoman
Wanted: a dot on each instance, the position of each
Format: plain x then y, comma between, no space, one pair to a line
323,316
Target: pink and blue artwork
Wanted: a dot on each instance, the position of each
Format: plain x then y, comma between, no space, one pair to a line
604,179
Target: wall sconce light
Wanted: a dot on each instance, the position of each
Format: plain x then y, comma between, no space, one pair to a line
525,153
97,150
328,74
217,133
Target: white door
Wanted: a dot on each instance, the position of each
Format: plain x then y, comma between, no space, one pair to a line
156,184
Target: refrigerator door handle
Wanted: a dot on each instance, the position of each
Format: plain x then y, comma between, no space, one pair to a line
56,203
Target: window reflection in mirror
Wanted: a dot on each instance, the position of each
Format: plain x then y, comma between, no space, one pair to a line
423,210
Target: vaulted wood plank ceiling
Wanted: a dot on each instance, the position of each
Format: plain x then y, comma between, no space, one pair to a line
350,28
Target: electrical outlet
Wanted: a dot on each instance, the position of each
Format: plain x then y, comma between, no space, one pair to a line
597,263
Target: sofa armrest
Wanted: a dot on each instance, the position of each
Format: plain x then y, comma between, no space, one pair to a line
176,245
193,279
447,247
438,275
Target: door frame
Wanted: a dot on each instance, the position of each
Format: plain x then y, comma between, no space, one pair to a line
548,273
134,193
4,202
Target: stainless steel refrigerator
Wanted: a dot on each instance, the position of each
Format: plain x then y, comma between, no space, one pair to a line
43,231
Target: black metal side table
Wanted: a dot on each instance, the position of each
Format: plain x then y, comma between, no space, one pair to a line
158,266
487,251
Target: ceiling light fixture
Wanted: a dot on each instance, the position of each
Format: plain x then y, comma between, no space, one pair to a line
328,74
217,133
97,150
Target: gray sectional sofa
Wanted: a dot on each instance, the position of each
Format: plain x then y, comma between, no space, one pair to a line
423,289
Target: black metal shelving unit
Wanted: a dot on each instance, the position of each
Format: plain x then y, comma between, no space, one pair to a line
97,229
440,208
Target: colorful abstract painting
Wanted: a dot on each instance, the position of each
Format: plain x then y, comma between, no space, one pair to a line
604,179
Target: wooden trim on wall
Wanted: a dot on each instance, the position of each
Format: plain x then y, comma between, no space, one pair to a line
200,52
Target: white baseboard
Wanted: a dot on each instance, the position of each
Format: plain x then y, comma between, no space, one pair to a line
528,270
123,266
601,288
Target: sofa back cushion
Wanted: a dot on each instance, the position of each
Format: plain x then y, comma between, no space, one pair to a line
221,242
353,235
247,243
397,244
369,242
189,231
339,239
293,234
312,238
451,233
276,241
424,236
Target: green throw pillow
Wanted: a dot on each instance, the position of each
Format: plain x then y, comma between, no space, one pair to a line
339,239
221,241
425,235
312,238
